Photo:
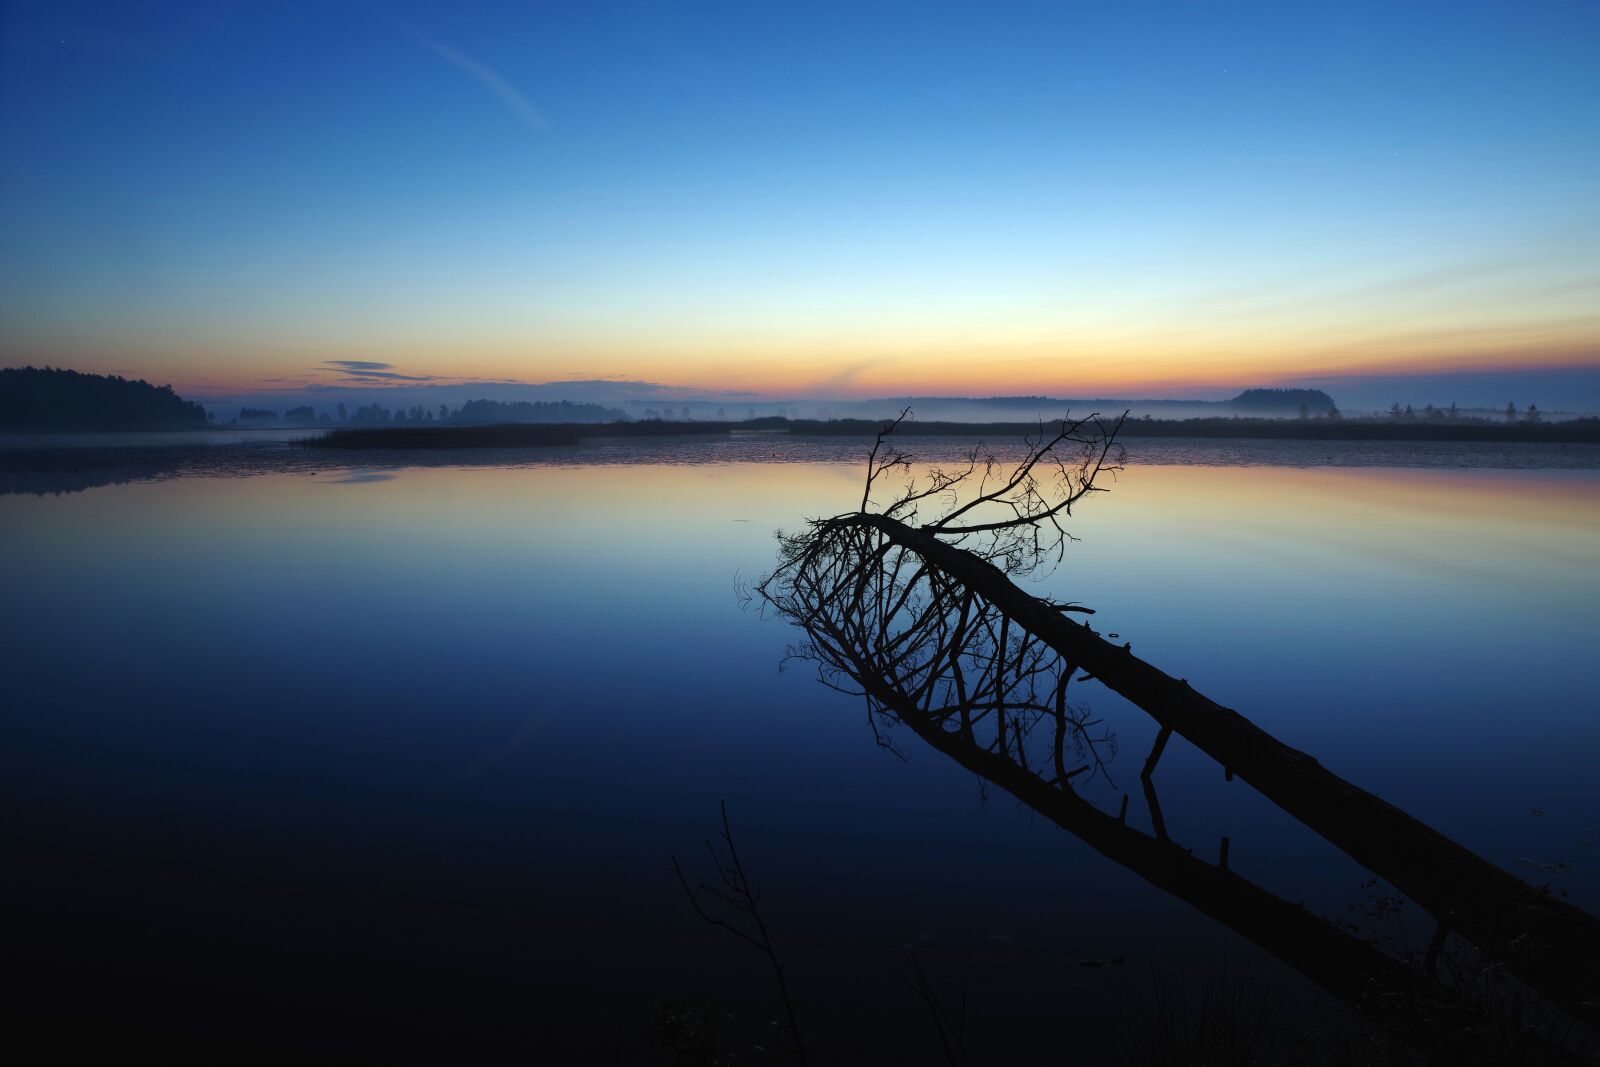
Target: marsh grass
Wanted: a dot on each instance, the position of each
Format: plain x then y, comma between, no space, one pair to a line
1216,1020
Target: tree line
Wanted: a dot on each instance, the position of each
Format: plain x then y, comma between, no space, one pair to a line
47,398
471,413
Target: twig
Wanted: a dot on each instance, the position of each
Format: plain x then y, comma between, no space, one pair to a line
952,1034
739,895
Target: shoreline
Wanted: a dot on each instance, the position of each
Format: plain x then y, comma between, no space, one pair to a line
73,467
541,435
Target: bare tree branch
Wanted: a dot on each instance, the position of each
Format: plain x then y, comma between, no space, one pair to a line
741,898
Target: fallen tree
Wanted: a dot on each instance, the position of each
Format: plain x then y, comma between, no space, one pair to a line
925,619
1400,1000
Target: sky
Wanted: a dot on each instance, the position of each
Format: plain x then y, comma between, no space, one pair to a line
815,199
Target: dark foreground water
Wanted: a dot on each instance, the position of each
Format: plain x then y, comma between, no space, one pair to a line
388,762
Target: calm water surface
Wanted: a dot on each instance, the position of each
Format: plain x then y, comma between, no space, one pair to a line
399,755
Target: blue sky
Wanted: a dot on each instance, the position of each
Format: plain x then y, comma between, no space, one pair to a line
865,198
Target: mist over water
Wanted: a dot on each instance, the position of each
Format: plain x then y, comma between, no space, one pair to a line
304,746
57,463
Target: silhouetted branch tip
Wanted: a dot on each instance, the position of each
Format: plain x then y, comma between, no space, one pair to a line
742,898
883,623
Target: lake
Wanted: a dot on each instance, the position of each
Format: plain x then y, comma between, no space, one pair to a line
388,760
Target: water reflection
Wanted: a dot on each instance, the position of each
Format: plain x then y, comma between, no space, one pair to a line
428,742
71,462
54,473
361,478
910,602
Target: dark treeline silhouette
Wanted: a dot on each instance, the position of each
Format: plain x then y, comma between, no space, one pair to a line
472,413
911,601
1432,414
44,399
451,434
1283,401
511,435
479,412
249,416
1326,428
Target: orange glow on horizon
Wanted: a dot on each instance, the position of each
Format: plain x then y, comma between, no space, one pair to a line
978,370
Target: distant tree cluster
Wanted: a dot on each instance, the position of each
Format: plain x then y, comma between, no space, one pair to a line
472,413
378,415
1431,414
1307,402
485,412
44,398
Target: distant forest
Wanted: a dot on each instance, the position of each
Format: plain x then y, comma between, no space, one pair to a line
1285,403
483,412
47,399
44,398
472,413
1331,427
1277,401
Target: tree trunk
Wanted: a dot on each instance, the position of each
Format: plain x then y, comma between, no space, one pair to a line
1549,944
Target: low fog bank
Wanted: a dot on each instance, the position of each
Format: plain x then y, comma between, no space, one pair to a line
392,408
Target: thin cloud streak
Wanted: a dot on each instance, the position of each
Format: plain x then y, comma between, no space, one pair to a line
519,105
358,364
386,376
355,370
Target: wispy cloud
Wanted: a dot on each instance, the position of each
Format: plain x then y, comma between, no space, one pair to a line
357,364
519,105
386,376
367,370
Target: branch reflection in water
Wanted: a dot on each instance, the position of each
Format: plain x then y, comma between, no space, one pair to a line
922,620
